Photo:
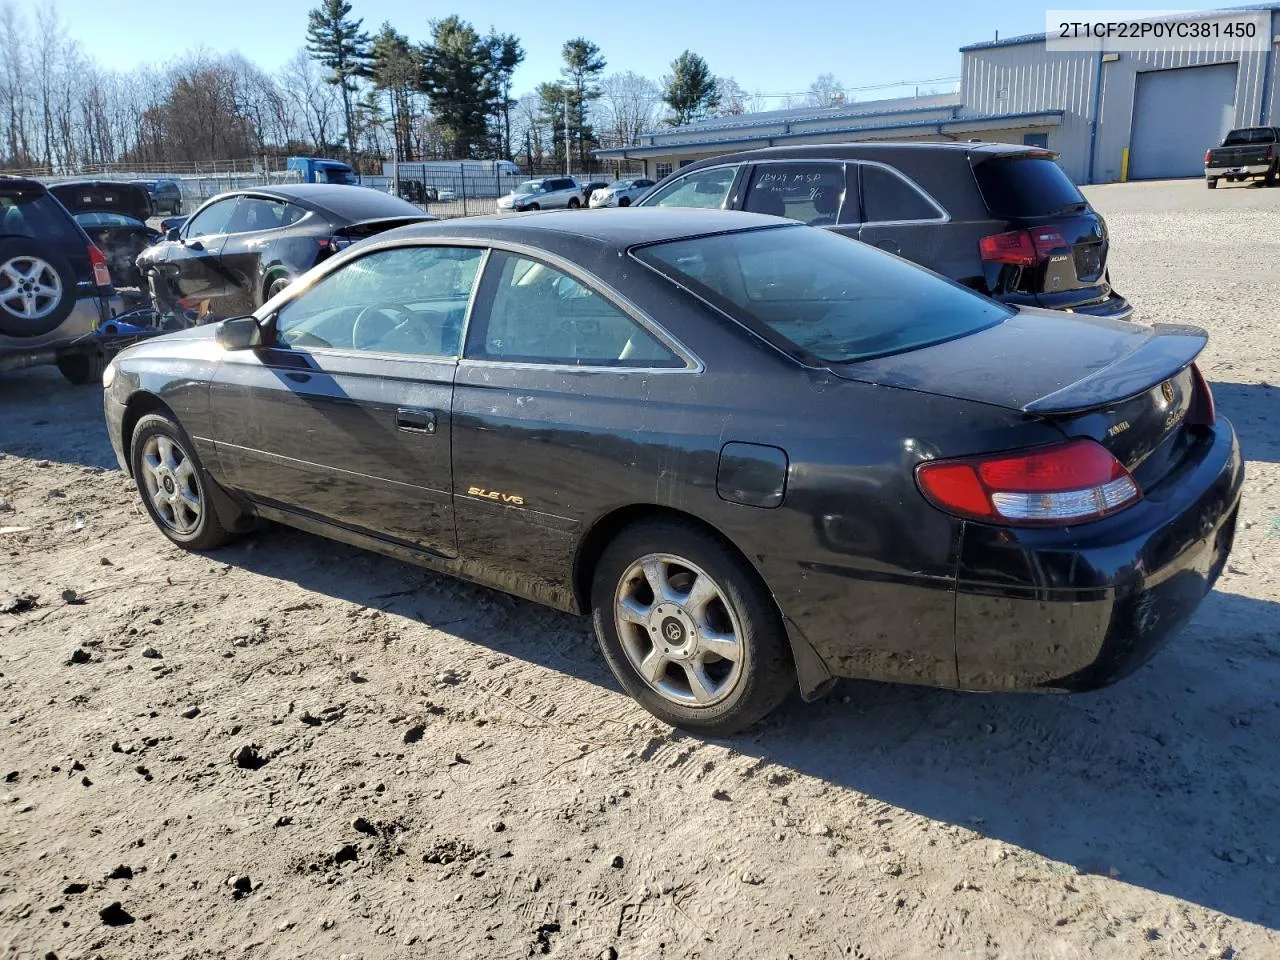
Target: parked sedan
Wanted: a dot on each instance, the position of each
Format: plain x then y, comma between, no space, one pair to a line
549,193
621,193
114,215
1003,220
754,452
242,248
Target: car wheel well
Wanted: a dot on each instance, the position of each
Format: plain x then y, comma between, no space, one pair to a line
139,405
605,529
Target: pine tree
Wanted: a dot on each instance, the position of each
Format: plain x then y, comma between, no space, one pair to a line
506,54
396,70
334,40
690,90
458,79
583,67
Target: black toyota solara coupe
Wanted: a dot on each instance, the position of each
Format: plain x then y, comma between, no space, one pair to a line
755,453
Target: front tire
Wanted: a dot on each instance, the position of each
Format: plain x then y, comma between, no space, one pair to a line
688,628
174,486
82,367
533,206
624,202
573,203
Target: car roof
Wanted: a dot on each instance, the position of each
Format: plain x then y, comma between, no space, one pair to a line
25,184
348,202
884,149
619,228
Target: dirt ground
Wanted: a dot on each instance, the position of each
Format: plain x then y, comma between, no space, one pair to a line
295,749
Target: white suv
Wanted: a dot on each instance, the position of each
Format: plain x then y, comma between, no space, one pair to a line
549,193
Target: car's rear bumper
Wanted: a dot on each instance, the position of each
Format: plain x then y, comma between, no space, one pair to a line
1082,608
1115,307
1248,170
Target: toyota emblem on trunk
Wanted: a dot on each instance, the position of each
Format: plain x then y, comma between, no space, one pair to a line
1166,390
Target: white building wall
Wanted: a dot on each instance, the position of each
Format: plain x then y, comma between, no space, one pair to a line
1025,77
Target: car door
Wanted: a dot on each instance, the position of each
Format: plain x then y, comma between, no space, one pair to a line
544,416
251,236
344,413
899,216
192,264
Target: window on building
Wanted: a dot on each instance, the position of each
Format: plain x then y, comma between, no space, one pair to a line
662,170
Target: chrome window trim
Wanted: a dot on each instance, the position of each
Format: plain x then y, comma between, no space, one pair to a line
692,363
943,215
380,355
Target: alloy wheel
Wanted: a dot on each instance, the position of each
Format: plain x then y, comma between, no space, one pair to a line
172,484
679,631
29,288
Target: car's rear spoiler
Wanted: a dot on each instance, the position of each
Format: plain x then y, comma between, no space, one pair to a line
1167,352
380,224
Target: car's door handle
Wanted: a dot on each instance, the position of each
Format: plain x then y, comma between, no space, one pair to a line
416,421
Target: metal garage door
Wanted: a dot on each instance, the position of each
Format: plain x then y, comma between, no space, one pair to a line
1177,115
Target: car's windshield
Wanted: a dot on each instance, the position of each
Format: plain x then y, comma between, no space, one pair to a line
1253,135
529,186
831,298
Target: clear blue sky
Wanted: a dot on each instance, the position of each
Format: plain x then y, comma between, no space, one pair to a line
764,44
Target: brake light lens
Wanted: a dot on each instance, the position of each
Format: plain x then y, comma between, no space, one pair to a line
1206,157
1271,152
1063,483
1203,411
101,275
334,243
1023,248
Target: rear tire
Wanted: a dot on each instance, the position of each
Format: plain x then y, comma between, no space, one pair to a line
573,203
37,287
275,286
174,486
1212,183
1270,179
82,367
675,654
624,202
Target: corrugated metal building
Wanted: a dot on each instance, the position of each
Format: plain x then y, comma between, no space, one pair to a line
1111,116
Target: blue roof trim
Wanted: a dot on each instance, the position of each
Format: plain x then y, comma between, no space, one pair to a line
658,148
1040,37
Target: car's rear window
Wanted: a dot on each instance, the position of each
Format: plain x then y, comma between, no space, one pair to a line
1252,135
24,214
822,295
1026,187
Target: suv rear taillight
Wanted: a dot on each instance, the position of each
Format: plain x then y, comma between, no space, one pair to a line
1059,484
1206,157
1203,412
1271,153
1023,248
334,243
101,275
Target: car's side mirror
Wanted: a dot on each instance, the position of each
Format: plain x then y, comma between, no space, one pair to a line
239,333
174,235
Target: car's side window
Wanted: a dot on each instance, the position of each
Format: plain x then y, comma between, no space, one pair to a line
257,213
888,196
213,219
704,188
809,192
404,300
538,314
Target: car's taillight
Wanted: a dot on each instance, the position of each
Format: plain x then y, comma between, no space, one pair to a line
1023,248
1064,483
334,243
1271,152
1206,157
101,275
1203,412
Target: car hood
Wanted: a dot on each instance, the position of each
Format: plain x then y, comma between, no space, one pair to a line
98,196
517,197
1040,361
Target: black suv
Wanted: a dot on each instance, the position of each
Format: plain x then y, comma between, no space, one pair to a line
55,288
1001,219
166,196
